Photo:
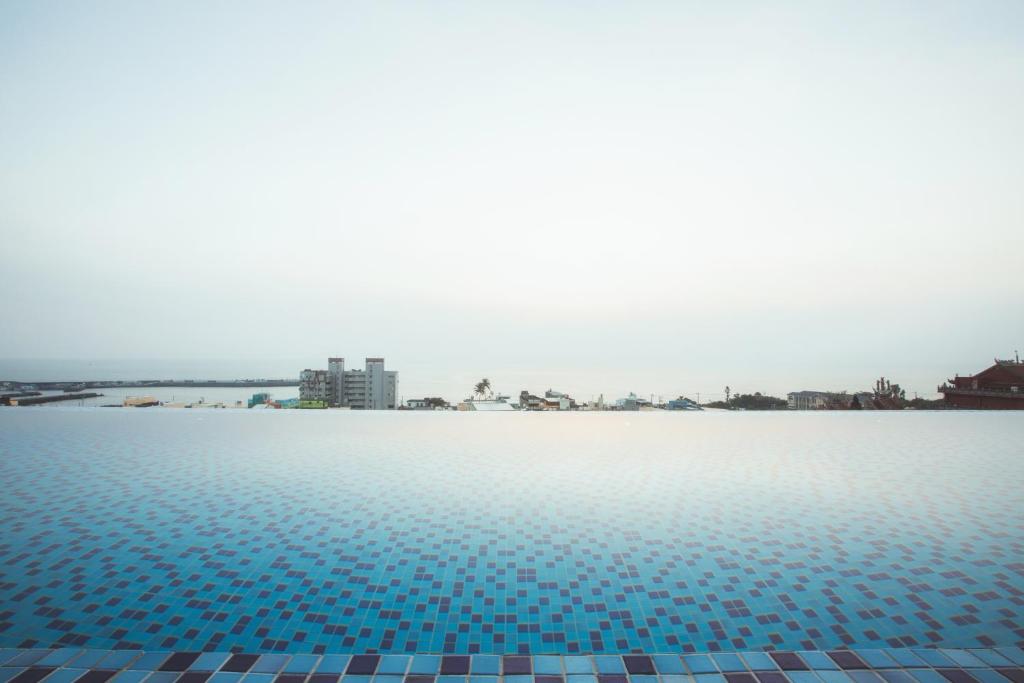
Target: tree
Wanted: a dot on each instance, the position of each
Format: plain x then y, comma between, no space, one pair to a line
482,388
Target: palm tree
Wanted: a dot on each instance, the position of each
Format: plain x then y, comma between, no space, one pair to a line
482,388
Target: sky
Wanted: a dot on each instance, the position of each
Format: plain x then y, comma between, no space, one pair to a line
599,197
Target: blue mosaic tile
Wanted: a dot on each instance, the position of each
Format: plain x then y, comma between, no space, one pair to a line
700,664
425,664
709,678
578,665
486,665
131,676
759,661
393,664
226,677
669,664
832,676
547,665
1014,654
333,664
581,678
352,566
7,673
607,664
488,679
963,658
877,659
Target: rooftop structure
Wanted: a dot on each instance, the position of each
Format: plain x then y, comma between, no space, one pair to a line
998,387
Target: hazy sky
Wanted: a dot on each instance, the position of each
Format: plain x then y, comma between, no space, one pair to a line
598,196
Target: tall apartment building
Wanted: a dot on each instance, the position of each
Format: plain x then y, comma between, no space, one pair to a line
372,388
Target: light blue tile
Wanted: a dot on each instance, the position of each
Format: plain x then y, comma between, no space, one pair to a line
582,678
700,664
927,675
269,664
897,676
301,664
991,657
121,659
578,664
162,677
388,678
225,677
130,677
933,657
258,678
1014,654
483,679
6,654
643,678
728,662
27,657
983,675
61,657
333,664
518,679
864,676
393,664
355,679
677,678
709,678
905,657
609,664
66,675
210,661
488,665
759,661
963,658
816,659
547,665
668,664
448,678
9,672
832,676
149,661
425,664
876,659
803,677
90,658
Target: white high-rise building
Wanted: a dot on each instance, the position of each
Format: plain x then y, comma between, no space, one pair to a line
372,388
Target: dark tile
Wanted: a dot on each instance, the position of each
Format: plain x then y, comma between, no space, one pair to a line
740,678
788,661
419,679
515,665
94,676
239,663
612,678
36,673
638,664
290,678
957,676
548,679
1015,675
454,665
179,661
363,665
847,660
193,677
771,677
324,678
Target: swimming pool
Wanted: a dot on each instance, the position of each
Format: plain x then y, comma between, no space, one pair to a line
313,532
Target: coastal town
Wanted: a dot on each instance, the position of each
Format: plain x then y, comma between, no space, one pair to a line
372,387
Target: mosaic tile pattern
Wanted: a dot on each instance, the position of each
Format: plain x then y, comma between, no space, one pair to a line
297,533
1001,665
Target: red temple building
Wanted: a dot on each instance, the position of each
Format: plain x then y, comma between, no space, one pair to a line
1000,387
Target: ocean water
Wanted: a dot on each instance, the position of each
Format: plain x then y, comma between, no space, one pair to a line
337,531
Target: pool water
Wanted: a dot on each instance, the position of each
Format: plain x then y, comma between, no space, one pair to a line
604,533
